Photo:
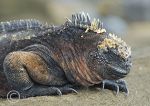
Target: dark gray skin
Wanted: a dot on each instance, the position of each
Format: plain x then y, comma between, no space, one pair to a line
38,59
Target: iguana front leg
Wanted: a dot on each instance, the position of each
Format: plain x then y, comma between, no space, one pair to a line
26,66
28,73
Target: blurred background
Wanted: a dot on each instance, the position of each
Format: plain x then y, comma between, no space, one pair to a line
129,19
116,14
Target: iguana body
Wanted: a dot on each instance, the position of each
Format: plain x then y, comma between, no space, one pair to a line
38,59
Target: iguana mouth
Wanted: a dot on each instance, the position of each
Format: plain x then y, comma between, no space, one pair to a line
118,71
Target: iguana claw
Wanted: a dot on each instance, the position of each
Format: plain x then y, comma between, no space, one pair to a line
63,90
58,91
116,85
72,90
66,90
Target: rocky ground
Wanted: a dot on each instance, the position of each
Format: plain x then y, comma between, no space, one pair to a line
138,80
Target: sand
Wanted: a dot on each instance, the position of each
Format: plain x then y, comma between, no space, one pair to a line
138,81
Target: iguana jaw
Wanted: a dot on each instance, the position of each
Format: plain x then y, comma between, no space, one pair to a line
118,71
109,67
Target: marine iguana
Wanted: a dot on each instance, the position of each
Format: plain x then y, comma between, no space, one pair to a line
40,59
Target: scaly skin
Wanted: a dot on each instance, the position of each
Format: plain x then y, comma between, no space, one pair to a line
38,59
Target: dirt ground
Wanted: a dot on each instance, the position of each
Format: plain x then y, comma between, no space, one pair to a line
138,80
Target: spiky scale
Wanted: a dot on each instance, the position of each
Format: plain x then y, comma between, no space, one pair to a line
73,19
88,19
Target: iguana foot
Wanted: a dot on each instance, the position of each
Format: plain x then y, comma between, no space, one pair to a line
45,91
116,85
60,90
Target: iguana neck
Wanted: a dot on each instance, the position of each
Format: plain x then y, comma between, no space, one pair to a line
73,61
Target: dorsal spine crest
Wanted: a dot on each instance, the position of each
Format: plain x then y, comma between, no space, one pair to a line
83,20
19,25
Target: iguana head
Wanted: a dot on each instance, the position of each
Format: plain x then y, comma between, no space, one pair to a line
114,55
105,54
